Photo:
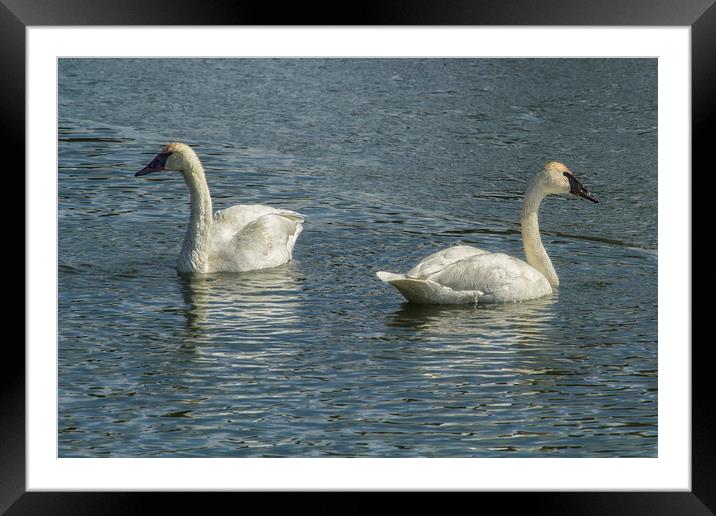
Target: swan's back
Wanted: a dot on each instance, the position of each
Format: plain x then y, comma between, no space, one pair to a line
441,259
238,216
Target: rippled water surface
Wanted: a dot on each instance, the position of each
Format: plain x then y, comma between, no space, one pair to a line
389,159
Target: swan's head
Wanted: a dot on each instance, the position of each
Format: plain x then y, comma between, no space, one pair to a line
555,178
175,156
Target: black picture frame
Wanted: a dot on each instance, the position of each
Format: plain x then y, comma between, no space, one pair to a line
17,15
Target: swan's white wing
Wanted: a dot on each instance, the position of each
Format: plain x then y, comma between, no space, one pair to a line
499,276
264,242
441,259
254,236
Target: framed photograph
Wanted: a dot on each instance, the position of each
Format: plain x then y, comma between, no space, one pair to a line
444,248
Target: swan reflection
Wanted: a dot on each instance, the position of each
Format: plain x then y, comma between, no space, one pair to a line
480,323
509,342
261,302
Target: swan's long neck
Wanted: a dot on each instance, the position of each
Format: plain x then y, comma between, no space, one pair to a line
194,256
534,250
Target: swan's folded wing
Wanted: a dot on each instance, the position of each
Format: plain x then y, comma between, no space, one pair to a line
264,242
499,276
441,259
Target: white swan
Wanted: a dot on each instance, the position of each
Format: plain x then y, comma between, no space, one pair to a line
464,274
237,239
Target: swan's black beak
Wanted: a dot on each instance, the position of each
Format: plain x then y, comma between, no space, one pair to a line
155,165
577,188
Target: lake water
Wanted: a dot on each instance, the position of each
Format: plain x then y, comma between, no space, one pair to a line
389,160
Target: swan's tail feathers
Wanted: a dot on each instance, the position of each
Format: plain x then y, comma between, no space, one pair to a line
389,276
425,291
293,237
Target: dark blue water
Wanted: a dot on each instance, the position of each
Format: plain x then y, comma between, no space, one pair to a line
390,160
